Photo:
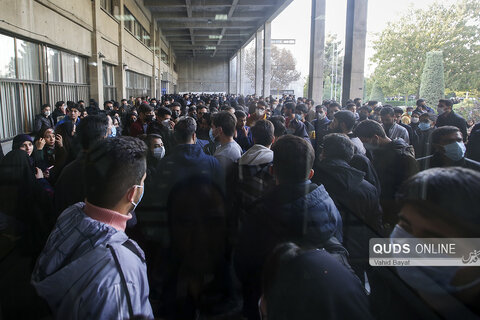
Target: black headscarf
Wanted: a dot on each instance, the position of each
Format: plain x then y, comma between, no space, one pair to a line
313,285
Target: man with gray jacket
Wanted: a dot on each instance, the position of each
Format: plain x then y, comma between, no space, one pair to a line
89,268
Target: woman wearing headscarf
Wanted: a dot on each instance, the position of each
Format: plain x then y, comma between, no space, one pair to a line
25,222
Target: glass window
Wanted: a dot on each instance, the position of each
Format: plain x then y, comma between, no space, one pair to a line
107,5
54,65
68,67
7,57
128,18
164,57
28,60
80,70
108,76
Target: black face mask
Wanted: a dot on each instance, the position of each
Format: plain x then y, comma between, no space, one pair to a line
362,116
175,114
149,118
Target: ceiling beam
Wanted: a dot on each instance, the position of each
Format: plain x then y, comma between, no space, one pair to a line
205,25
229,17
207,3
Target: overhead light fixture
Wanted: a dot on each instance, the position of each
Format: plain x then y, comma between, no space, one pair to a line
215,36
211,48
125,66
222,17
209,21
101,55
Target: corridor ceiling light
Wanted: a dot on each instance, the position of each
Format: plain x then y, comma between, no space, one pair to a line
221,17
211,48
215,36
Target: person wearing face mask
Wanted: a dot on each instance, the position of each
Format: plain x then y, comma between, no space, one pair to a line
175,108
343,122
258,114
320,124
301,112
448,117
89,268
145,116
156,152
44,119
414,120
394,161
449,150
425,126
427,211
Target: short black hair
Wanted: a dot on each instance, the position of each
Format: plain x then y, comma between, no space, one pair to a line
288,166
372,103
162,111
184,129
397,110
320,106
365,108
302,108
420,101
369,128
226,121
111,167
334,105
92,129
446,102
432,191
240,114
44,106
441,132
290,105
144,108
387,111
351,105
263,132
338,146
346,117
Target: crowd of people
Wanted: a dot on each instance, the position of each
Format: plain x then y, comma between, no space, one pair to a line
214,206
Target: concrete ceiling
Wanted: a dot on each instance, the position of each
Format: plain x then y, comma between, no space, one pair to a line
215,28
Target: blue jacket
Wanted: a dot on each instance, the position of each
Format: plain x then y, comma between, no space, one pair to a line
77,275
302,213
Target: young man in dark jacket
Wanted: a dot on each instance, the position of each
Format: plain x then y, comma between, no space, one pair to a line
356,199
394,161
295,210
448,117
44,120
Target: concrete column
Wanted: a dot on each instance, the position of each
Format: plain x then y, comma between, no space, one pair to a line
120,78
267,57
355,42
154,79
258,63
230,86
239,71
317,48
95,63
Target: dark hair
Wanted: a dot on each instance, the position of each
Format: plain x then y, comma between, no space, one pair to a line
263,132
334,105
279,125
290,105
73,106
398,110
92,129
446,102
184,129
369,128
387,110
338,146
372,103
112,166
44,106
107,102
302,108
58,104
150,137
351,105
226,121
441,132
162,111
144,108
288,166
445,193
365,108
240,114
420,101
346,117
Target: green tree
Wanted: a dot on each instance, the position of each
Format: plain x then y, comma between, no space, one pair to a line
332,68
284,69
400,50
432,87
377,93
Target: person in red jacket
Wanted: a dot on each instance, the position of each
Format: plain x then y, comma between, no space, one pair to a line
145,116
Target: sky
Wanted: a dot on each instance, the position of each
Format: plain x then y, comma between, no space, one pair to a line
294,23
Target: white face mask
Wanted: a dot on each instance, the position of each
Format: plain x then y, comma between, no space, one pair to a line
47,113
415,120
159,153
260,112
